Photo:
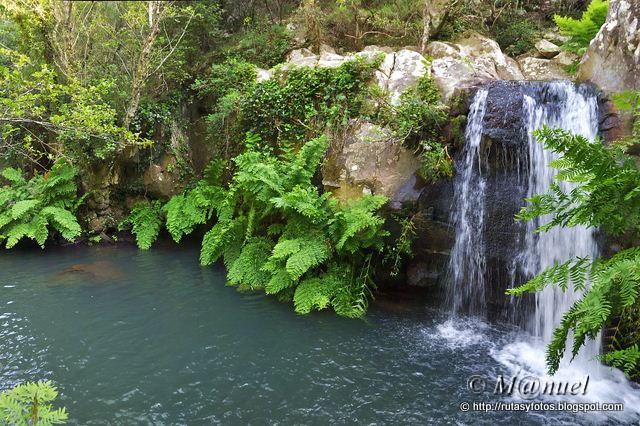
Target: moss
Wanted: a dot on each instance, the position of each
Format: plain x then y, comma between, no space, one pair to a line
458,125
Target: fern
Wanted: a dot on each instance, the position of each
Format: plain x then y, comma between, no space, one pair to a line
247,270
316,292
582,31
30,209
29,404
275,230
626,359
146,222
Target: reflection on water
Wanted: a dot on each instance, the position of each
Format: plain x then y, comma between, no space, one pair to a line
134,337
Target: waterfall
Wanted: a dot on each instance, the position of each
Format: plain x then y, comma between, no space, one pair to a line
556,104
577,112
500,165
467,261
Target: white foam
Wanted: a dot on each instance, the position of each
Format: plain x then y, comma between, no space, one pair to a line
458,333
606,385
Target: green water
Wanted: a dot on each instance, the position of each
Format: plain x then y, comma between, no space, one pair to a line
153,338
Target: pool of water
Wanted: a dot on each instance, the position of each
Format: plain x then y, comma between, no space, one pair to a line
132,337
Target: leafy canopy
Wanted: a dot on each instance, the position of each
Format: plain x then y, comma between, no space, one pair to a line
36,109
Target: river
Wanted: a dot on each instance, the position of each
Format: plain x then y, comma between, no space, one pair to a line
133,337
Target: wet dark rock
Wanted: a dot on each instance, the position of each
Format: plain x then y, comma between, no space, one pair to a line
504,163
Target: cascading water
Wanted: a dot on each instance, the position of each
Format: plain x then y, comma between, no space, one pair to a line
467,262
472,271
577,112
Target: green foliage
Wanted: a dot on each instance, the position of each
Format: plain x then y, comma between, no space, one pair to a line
402,247
146,222
608,191
36,108
29,404
418,121
30,208
182,213
436,162
626,359
420,115
606,195
231,75
299,104
275,231
515,33
583,30
226,85
263,44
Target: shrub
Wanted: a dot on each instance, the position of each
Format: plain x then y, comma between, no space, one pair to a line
299,104
420,115
515,34
264,44
29,208
417,121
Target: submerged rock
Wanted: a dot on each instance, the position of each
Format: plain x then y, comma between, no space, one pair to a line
96,271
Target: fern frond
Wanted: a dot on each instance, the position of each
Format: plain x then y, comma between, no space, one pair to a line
146,221
312,253
21,208
626,359
247,268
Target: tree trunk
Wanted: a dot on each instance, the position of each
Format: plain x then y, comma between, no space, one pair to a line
141,72
426,26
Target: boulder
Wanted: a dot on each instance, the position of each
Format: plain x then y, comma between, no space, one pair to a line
398,72
328,59
564,59
262,75
542,69
546,49
162,180
556,37
469,62
302,57
375,49
408,66
370,160
612,60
